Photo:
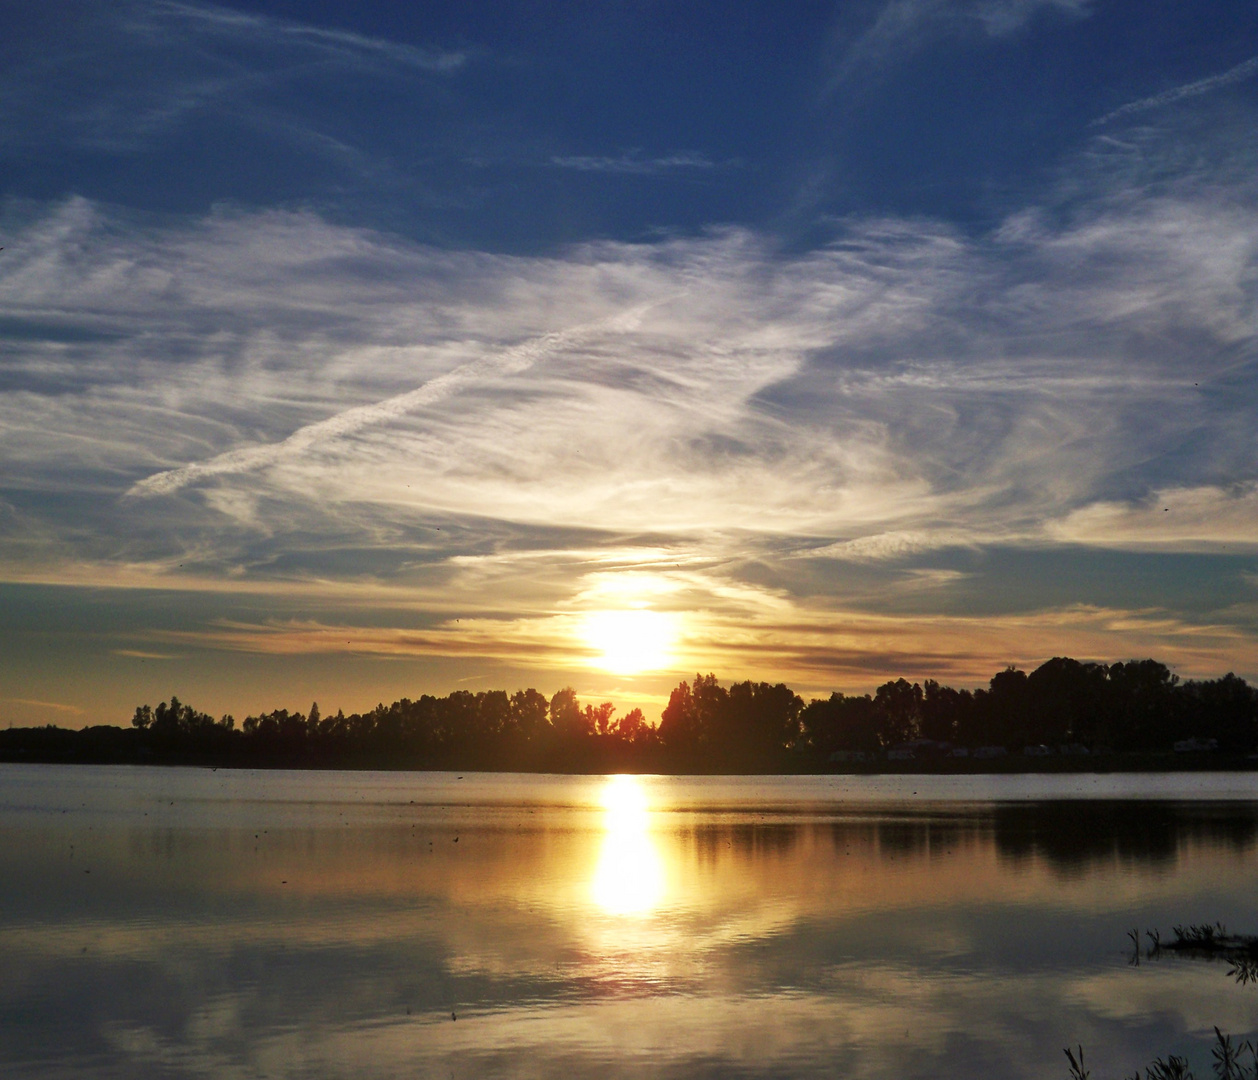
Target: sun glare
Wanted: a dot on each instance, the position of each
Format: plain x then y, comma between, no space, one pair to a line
630,641
625,804
629,878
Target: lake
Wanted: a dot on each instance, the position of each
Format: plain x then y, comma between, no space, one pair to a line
187,922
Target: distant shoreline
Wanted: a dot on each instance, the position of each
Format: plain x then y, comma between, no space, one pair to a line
1064,717
1009,765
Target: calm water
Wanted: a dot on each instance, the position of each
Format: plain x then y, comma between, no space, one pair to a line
163,922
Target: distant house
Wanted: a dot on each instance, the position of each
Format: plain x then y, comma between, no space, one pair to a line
1189,746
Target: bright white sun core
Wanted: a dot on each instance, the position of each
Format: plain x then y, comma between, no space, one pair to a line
630,641
629,877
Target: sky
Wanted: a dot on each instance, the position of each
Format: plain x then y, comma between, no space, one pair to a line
358,351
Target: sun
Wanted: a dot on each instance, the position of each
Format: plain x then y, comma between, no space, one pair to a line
630,641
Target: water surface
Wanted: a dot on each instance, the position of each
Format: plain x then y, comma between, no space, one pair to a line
187,922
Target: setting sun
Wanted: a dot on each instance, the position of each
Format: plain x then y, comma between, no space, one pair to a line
630,641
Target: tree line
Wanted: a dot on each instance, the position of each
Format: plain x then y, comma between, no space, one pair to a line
1137,706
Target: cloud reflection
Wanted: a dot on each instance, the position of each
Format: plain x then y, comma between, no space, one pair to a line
294,924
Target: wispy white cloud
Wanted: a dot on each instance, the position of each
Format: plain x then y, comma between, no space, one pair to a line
779,438
1178,519
340,44
860,391
634,163
136,70
145,654
51,706
880,546
903,28
1000,17
352,421
1239,73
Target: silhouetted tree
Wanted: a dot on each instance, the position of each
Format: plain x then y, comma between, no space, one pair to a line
1226,709
898,706
840,723
1066,701
176,726
944,711
689,721
597,719
1142,713
530,714
1003,710
1132,705
757,722
566,716
633,729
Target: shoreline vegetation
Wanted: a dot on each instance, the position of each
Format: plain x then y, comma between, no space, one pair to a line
1195,941
1065,716
1228,1062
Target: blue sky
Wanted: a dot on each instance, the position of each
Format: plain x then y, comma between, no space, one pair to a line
352,351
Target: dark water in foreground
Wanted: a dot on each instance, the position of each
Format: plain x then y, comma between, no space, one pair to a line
163,922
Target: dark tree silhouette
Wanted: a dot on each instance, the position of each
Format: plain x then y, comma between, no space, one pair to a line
1136,706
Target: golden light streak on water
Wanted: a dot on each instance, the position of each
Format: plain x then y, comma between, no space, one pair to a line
629,875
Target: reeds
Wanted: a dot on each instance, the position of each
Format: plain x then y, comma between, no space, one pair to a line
1232,1061
1173,1068
1077,1071
1203,941
1210,941
1227,1058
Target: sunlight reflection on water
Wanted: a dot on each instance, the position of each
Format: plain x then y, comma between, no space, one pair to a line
629,876
179,922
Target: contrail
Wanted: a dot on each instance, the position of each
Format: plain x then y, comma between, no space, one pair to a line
511,362
1233,75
